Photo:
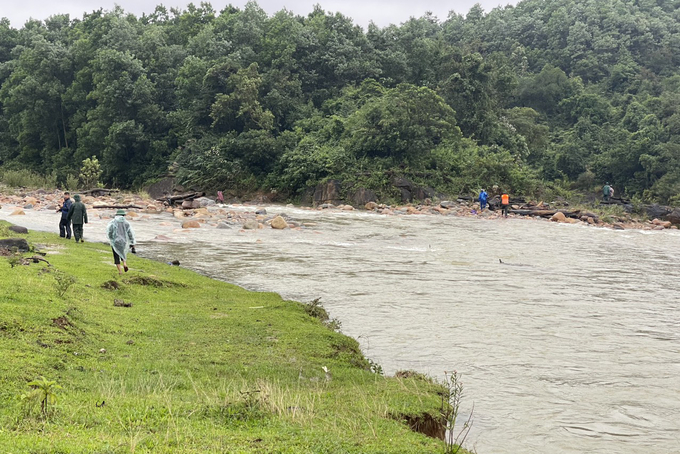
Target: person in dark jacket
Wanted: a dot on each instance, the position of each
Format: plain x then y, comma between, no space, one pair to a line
64,224
78,215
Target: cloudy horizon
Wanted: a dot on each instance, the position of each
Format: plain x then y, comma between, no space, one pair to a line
380,12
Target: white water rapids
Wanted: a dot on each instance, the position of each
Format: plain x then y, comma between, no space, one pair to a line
572,346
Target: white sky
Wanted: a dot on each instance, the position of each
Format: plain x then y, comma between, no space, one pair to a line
381,12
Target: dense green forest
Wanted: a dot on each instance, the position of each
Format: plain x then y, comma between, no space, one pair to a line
548,95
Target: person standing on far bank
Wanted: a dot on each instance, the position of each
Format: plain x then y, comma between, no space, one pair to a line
505,204
122,240
606,192
78,216
64,223
483,197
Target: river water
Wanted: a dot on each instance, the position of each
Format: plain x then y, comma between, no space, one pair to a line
571,346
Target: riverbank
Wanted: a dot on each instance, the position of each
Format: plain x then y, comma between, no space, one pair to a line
164,359
206,212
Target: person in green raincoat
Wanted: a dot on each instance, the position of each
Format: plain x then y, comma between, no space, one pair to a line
122,240
78,215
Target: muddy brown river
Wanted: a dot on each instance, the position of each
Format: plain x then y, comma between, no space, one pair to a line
572,345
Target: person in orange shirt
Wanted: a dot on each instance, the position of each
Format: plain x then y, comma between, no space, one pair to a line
505,204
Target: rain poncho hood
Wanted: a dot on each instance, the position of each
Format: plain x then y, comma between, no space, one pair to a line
120,236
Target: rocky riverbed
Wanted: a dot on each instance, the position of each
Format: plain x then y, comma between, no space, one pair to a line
204,212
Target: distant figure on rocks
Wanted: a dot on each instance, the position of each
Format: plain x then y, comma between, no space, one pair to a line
122,239
611,192
505,204
606,192
78,216
64,224
483,197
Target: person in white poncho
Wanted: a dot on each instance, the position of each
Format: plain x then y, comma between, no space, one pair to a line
122,239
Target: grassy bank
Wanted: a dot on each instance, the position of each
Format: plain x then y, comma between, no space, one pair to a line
193,366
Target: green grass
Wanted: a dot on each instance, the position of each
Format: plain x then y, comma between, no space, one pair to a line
194,366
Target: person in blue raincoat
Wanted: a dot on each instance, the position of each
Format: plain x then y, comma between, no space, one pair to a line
122,239
483,197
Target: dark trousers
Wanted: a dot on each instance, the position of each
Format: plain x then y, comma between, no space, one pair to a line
505,210
65,229
78,231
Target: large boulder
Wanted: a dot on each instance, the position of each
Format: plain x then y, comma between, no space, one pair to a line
674,216
406,195
363,196
162,188
17,212
19,244
558,217
657,211
18,229
251,224
204,202
279,223
328,192
402,182
423,193
191,224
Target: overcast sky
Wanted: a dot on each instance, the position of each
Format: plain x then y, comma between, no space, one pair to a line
381,12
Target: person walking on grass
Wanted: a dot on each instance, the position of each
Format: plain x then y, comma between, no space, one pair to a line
64,224
77,214
122,240
606,192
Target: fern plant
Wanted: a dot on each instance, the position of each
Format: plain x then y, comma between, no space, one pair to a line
43,391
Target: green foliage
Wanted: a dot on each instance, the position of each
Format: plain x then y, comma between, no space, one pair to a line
62,282
72,182
43,393
27,179
243,101
90,172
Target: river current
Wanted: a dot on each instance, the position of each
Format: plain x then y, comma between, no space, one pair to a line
572,345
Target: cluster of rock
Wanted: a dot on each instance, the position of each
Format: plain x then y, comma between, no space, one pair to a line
194,210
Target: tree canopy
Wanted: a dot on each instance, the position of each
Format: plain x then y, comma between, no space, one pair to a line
525,97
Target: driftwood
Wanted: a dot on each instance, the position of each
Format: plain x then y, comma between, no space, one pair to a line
545,213
37,259
99,191
172,199
117,207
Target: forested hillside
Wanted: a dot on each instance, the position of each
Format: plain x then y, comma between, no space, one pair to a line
547,96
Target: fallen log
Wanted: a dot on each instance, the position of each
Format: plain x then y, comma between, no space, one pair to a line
172,199
96,192
116,207
546,213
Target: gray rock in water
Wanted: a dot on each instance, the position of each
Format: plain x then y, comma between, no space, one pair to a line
28,206
223,225
260,211
204,202
251,224
20,244
18,229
